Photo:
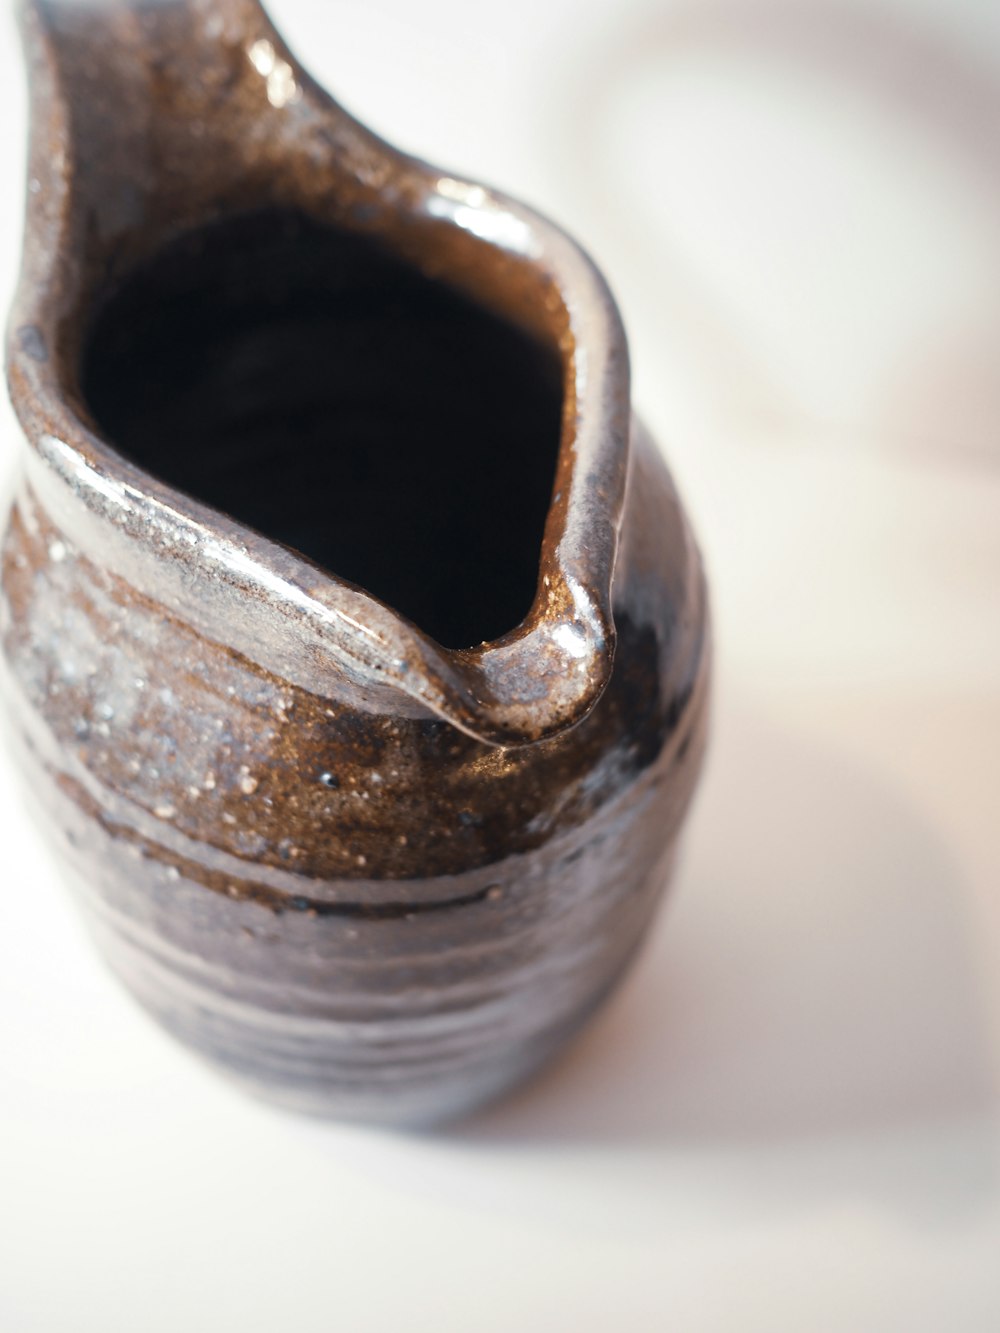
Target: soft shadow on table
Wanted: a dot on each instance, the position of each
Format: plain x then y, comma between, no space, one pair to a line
877,51
944,399
811,984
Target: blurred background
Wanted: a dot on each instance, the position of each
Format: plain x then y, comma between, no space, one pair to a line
788,1119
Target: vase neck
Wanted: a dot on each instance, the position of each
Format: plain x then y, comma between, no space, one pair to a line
137,137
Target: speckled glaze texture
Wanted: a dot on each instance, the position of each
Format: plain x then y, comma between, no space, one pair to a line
364,874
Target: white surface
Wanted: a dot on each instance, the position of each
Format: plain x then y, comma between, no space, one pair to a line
788,1120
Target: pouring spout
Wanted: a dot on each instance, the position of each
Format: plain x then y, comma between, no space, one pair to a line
544,682
547,675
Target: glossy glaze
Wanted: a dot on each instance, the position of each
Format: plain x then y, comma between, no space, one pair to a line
368,874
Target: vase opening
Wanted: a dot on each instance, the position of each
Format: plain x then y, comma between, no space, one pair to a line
317,389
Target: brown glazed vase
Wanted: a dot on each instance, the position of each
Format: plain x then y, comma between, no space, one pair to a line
355,641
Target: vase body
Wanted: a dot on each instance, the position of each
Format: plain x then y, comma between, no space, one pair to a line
364,874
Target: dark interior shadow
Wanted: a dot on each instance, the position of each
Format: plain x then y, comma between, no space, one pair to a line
903,63
813,983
